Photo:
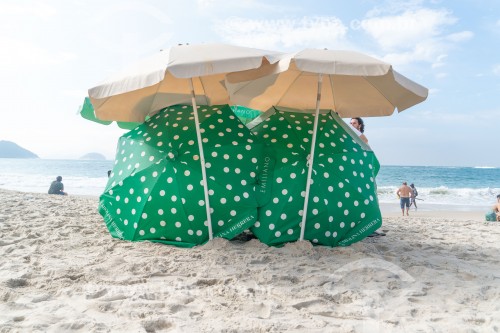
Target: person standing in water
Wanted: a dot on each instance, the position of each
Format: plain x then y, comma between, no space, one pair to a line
404,193
413,198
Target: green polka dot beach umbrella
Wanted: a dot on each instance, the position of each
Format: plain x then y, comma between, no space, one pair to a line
349,83
178,75
343,206
155,191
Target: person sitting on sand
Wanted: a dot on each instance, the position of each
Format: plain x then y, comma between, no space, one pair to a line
404,194
496,208
57,187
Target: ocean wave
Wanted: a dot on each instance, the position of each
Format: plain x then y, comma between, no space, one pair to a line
39,183
436,185
444,195
386,194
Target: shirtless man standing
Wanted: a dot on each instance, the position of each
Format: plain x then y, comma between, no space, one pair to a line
404,193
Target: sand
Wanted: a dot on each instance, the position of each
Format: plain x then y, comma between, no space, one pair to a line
60,271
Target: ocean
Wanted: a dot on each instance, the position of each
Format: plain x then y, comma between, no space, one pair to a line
473,187
80,177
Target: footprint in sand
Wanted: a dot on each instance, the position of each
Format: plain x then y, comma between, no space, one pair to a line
96,294
41,298
307,304
261,311
174,308
157,325
16,283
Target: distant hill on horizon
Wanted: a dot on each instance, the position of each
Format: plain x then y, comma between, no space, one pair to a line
9,149
93,156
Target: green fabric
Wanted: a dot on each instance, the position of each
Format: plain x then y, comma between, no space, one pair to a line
245,114
127,125
155,192
87,112
490,216
343,206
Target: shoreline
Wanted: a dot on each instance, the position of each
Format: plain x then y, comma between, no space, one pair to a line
437,211
389,209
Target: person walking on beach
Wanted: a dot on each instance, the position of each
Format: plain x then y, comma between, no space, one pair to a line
57,187
413,198
404,193
358,124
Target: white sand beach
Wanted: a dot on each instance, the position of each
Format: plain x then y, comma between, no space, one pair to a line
60,271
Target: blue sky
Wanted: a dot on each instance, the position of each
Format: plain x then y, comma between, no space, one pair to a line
53,51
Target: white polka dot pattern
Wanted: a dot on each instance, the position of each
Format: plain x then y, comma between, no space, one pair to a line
342,206
156,191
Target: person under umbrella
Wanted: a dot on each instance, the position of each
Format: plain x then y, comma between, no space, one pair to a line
359,125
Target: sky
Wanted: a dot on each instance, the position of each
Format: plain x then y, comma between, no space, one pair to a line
53,51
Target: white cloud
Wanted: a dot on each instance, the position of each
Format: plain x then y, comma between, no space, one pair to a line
403,31
439,62
204,4
130,26
400,58
31,9
426,51
18,48
415,35
309,31
460,36
75,93
394,7
496,69
18,53
441,75
434,91
254,5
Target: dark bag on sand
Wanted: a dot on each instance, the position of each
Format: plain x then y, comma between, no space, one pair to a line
491,216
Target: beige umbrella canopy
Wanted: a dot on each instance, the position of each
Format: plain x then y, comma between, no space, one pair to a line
350,83
180,75
165,79
353,84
